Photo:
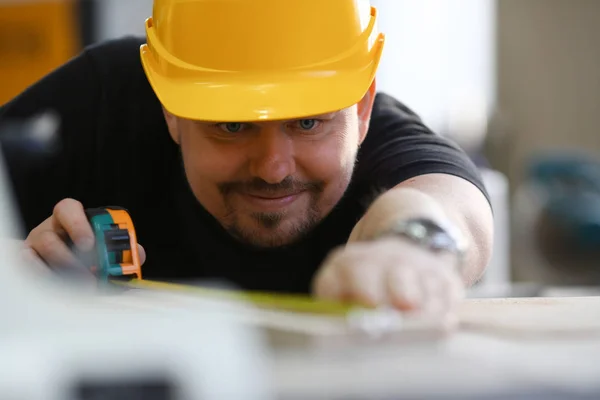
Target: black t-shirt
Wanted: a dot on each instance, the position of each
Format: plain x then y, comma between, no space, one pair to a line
115,150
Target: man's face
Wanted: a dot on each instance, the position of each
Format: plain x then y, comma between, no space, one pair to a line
269,183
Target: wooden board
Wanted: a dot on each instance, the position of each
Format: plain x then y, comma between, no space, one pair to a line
566,316
304,323
317,357
537,317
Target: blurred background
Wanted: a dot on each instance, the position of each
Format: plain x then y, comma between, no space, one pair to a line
516,83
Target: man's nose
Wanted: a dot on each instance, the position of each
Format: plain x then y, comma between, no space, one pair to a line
272,157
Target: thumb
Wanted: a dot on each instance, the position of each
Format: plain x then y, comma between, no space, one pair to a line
326,285
142,254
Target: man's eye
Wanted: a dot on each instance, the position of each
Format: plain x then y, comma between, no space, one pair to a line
231,127
307,124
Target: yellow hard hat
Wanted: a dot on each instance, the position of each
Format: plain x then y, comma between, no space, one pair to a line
252,60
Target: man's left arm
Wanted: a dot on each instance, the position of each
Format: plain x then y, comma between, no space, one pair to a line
401,273
442,198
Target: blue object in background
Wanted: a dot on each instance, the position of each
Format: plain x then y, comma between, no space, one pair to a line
572,186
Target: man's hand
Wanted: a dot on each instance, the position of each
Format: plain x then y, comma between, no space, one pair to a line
47,242
391,272
397,272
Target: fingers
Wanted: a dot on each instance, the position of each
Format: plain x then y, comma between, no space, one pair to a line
408,279
51,248
434,293
47,240
404,288
141,254
326,284
431,289
452,288
345,278
69,216
363,284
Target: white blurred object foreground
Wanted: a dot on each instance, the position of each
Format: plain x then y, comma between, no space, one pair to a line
61,344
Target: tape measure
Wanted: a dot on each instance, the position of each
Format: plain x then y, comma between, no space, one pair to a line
116,254
116,262
280,302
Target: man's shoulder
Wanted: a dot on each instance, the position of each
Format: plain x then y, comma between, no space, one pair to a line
393,118
387,106
124,49
117,62
118,65
127,107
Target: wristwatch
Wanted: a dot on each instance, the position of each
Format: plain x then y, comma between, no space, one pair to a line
431,235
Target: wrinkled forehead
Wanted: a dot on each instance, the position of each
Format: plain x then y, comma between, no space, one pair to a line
329,116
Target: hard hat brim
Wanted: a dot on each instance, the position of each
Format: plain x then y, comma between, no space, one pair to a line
238,97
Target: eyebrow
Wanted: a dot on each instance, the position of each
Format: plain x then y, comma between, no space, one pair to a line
329,115
324,116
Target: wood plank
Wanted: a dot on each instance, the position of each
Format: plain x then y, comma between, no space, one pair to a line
567,316
523,317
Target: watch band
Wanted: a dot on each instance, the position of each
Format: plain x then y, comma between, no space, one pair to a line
431,235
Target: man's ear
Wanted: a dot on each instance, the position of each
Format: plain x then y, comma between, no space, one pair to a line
364,110
172,125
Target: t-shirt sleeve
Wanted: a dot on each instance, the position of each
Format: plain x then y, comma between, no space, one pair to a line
45,170
399,146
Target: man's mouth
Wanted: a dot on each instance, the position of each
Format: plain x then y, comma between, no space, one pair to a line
271,201
273,196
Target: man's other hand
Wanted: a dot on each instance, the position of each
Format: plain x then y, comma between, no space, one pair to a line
391,272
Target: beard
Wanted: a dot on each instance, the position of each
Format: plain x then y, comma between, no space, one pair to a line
271,229
276,237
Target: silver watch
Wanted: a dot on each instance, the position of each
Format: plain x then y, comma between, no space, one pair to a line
430,235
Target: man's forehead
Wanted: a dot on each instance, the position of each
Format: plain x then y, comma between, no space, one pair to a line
324,116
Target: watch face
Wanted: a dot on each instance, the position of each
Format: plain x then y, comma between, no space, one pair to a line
418,230
443,241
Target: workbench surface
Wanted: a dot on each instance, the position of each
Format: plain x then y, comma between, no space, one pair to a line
503,348
543,348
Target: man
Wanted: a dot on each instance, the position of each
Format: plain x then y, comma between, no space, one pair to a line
249,145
